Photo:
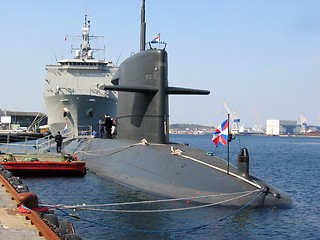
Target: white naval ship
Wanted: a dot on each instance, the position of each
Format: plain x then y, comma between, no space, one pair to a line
73,99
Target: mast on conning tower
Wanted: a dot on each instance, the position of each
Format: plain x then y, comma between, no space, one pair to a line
143,28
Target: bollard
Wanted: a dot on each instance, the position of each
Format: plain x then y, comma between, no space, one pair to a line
243,163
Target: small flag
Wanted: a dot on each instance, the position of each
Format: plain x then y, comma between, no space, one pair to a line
220,136
156,39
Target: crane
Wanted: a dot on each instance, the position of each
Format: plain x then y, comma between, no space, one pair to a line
258,127
234,119
303,123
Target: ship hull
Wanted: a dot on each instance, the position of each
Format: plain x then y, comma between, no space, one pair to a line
155,169
79,109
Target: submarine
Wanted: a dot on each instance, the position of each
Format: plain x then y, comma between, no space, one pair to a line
143,158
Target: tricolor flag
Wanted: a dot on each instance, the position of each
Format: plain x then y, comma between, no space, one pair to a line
220,136
156,39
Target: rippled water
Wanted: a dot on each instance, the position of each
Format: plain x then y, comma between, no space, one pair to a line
289,163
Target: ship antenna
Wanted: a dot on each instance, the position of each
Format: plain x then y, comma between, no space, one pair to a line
85,47
119,57
143,28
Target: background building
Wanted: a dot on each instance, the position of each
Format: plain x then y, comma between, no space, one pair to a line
11,120
279,127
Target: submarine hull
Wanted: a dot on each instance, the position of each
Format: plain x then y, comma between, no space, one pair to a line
142,156
175,171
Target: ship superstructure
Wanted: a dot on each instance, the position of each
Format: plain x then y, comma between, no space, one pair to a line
72,96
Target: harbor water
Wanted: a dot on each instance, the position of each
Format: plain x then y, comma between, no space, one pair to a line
288,163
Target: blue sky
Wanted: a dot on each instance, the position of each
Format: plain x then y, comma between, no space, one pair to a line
260,57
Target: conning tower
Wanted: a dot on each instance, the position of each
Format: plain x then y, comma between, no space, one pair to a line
142,82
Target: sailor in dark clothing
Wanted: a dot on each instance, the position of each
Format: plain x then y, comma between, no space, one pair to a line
58,139
108,125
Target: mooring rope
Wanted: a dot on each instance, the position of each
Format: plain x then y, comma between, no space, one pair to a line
171,230
243,207
106,151
180,153
92,207
162,200
266,190
191,229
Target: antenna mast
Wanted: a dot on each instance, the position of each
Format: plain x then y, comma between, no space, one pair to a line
143,28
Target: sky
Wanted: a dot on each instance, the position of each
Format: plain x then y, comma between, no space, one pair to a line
260,57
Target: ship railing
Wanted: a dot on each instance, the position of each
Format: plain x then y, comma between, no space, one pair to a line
85,131
17,147
75,91
44,143
47,143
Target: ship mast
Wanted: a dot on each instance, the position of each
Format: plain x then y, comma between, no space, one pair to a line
85,46
143,28
85,51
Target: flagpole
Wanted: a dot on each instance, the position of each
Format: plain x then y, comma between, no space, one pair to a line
228,143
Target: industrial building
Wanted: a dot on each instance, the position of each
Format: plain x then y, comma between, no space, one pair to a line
280,127
11,120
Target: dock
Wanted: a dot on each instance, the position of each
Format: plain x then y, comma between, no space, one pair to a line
43,165
21,217
13,224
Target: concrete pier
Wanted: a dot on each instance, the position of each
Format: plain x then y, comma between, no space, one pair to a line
20,215
22,223
13,224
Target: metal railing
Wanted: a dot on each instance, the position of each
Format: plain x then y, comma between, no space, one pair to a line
75,132
44,144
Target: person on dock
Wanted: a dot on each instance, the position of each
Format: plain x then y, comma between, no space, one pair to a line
108,125
101,127
113,129
58,139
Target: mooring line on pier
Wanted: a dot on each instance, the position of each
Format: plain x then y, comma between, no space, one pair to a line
92,207
171,230
165,230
